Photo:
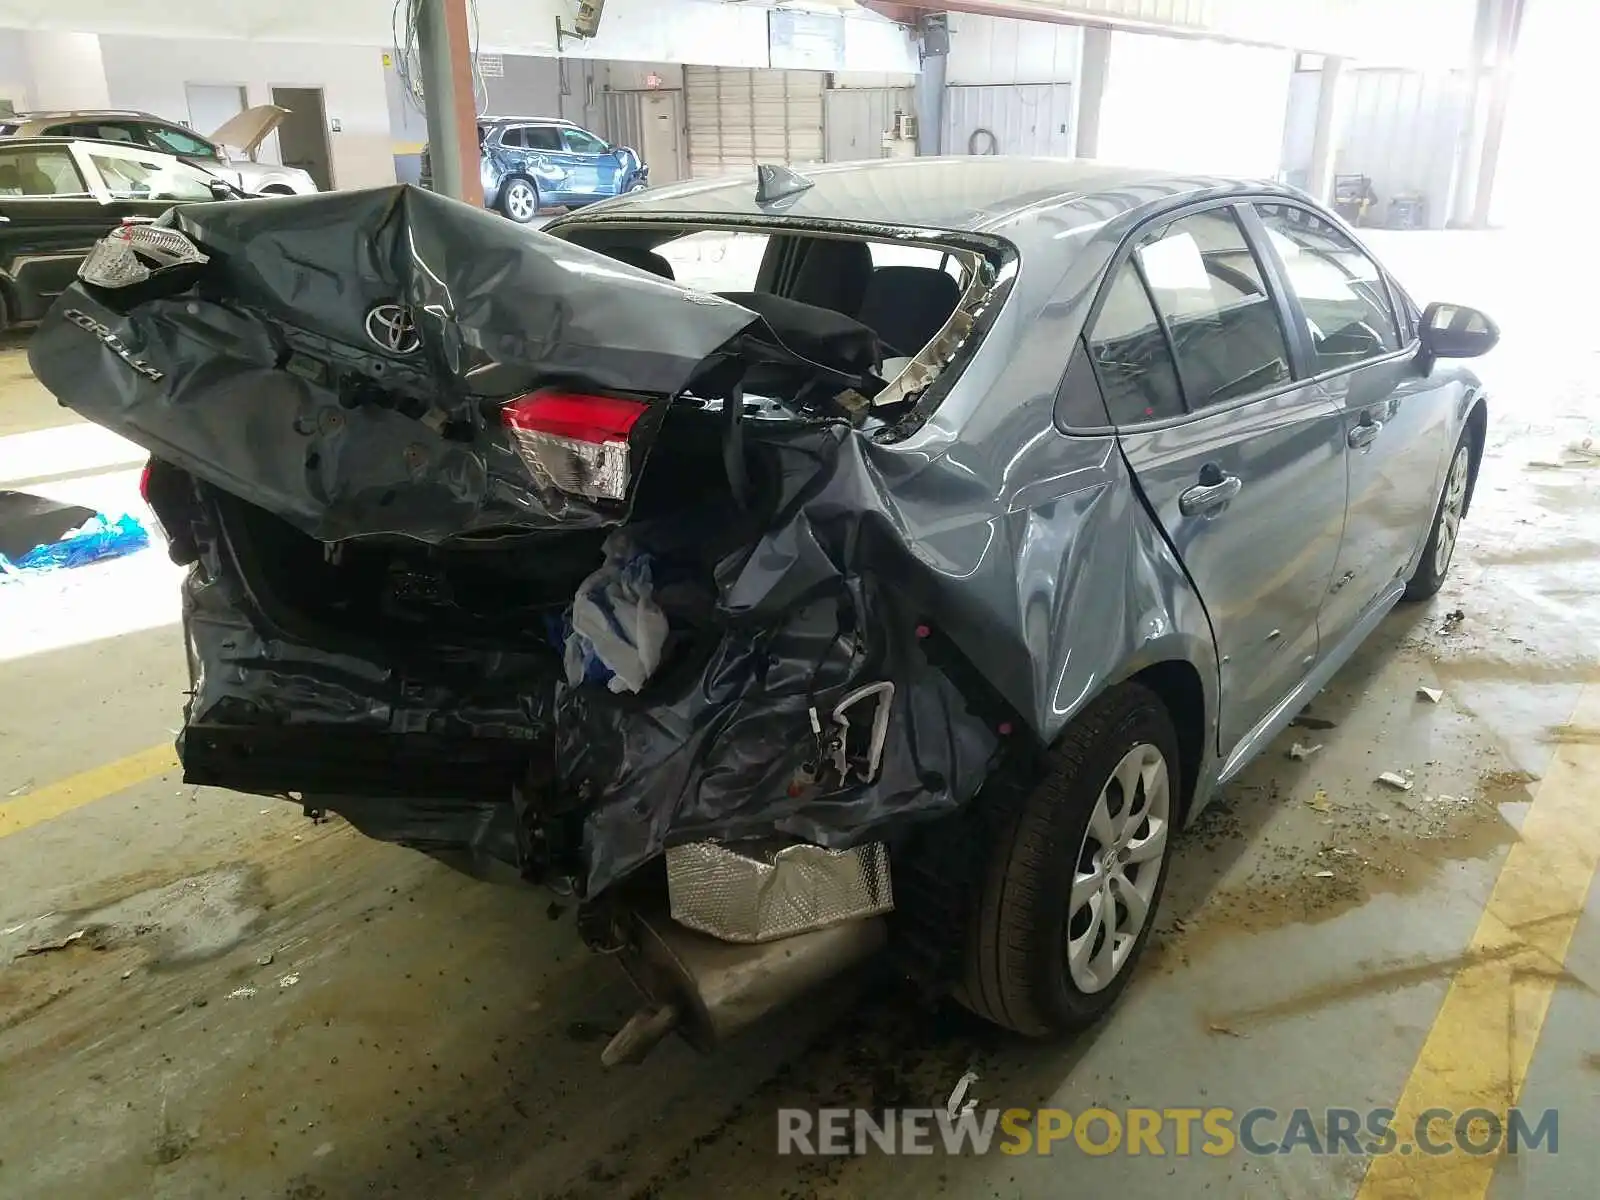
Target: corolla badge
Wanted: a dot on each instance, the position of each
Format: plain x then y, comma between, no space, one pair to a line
391,328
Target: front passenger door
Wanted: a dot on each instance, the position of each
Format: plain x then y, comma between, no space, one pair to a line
1242,465
597,171
1397,421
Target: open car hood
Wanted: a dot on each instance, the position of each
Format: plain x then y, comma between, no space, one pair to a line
248,129
347,360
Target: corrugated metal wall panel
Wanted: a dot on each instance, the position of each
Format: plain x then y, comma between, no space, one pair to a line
738,118
857,119
988,50
1024,119
1399,128
1402,128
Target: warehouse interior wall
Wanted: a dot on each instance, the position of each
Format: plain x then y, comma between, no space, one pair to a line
150,74
1000,50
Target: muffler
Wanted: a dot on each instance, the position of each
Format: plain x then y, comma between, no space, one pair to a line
708,989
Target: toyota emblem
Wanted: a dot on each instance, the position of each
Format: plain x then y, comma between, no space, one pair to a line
391,328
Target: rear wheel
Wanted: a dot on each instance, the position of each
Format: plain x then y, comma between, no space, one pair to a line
519,200
1437,555
1075,874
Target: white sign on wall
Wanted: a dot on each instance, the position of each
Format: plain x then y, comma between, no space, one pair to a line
805,41
492,66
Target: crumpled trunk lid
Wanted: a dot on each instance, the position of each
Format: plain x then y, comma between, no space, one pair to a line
345,360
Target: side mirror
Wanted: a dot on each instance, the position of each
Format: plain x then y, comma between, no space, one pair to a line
1456,331
221,190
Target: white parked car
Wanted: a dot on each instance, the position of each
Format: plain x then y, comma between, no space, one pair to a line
229,152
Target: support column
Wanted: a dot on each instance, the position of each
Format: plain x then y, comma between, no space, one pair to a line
67,71
928,98
1495,119
1325,141
1092,76
445,56
1472,121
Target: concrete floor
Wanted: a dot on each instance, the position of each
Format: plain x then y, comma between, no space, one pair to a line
263,1007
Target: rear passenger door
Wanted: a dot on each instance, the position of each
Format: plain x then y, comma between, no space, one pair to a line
1242,465
50,217
550,165
1397,422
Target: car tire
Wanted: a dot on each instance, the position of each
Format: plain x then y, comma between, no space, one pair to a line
1439,552
519,199
1038,960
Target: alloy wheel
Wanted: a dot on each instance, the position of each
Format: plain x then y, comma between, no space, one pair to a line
521,202
1118,867
1450,513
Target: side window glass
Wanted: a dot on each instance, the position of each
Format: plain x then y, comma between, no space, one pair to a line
164,137
1224,324
580,142
1340,288
42,172
512,137
541,137
1130,355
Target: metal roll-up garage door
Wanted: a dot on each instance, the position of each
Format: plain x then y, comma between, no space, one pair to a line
738,118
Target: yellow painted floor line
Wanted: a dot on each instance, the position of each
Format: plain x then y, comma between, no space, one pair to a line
86,787
1477,1052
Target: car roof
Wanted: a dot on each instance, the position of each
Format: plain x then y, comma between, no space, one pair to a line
978,194
66,113
527,121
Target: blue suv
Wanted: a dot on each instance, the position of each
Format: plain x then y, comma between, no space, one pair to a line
528,163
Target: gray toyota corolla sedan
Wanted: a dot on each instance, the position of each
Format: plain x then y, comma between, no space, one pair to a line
883,558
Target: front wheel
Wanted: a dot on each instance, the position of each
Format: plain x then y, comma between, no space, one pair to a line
520,201
1428,578
1076,872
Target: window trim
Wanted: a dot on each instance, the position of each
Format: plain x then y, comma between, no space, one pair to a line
1124,253
1408,338
1289,310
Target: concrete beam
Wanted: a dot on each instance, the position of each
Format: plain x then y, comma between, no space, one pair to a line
444,51
1325,140
1494,129
1092,76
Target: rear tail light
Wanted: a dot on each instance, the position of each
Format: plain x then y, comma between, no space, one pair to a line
575,442
144,480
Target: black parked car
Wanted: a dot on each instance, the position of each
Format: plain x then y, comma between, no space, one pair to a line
532,162
59,196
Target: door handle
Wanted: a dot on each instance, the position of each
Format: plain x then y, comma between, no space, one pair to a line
1205,498
1364,433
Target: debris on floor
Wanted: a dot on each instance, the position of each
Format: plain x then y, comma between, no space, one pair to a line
58,944
288,981
1320,803
1431,695
1307,721
242,993
1225,1031
98,538
1402,781
1299,751
21,790
1452,620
